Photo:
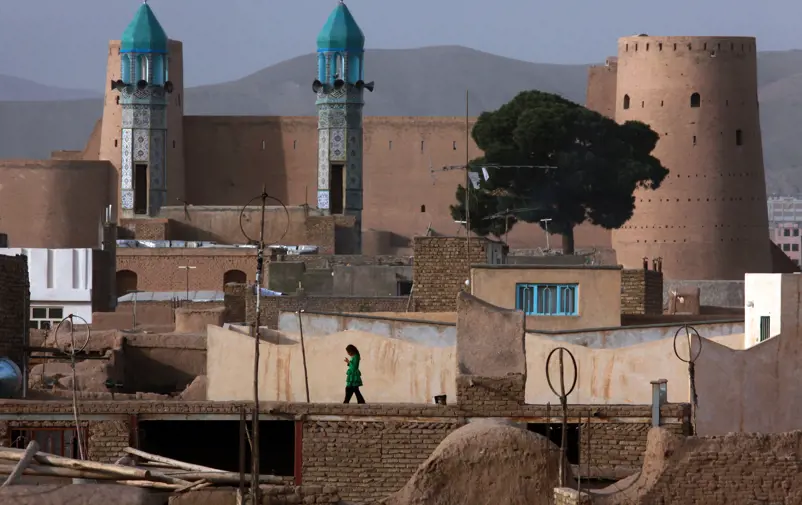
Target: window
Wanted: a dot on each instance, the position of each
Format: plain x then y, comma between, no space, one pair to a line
696,100
786,232
126,282
765,326
786,247
739,138
796,232
58,441
547,299
44,318
626,101
795,247
235,276
403,288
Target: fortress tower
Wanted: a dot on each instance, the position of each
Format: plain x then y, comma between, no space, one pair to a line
137,131
708,219
340,88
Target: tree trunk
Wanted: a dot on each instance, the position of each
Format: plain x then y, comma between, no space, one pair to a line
568,242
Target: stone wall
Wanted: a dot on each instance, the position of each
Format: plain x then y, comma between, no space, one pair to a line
271,306
441,269
14,307
641,292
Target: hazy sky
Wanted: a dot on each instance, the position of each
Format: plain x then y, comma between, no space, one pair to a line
63,42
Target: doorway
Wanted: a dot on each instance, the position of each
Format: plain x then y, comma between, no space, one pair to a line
140,189
337,189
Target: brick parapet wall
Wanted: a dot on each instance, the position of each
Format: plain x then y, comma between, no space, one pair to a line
15,302
271,306
271,495
641,292
440,270
234,296
373,459
502,396
104,442
145,229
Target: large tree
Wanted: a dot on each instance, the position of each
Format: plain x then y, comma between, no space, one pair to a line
550,158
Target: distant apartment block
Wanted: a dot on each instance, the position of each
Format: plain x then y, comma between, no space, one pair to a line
784,209
787,237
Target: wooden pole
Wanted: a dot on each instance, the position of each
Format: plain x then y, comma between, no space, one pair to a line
50,459
226,477
56,471
25,460
170,462
467,183
303,353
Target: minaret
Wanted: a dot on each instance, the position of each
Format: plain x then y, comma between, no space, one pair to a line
340,88
143,88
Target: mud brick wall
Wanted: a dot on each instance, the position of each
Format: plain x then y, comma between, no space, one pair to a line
145,229
234,301
367,461
271,306
496,396
641,292
105,440
15,302
440,270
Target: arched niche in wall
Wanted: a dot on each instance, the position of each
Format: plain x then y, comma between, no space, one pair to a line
237,276
126,282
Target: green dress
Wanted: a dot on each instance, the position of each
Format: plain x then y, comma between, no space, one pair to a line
353,377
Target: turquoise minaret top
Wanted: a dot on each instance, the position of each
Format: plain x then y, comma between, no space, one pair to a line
144,34
341,33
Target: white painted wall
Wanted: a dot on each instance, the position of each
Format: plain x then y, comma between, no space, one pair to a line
59,278
762,297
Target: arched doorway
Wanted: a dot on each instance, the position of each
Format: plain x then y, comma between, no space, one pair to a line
237,276
126,282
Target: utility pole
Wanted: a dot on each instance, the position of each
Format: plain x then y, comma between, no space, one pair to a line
260,258
187,268
467,183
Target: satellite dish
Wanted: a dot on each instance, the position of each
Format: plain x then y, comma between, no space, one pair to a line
317,86
142,84
10,378
168,86
339,83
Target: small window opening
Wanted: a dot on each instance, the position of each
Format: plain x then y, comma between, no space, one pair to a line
115,142
642,105
636,47
690,46
117,99
739,138
661,103
694,140
403,288
337,186
421,145
553,432
626,47
696,100
705,46
294,144
423,208
140,189
675,47
660,46
391,145
626,101
647,47
454,145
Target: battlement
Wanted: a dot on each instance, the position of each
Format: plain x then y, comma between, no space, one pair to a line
713,46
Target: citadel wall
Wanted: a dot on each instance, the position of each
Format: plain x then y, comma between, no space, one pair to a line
601,87
708,219
405,190
53,203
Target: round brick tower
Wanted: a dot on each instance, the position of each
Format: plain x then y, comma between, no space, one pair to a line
708,219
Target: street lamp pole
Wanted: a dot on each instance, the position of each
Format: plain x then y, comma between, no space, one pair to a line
187,268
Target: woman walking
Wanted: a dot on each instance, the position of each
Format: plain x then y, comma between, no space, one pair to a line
353,377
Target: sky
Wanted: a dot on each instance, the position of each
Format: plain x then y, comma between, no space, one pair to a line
63,43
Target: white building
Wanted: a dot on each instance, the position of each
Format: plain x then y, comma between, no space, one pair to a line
61,284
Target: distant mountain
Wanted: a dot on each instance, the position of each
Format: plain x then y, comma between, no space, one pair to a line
430,81
14,89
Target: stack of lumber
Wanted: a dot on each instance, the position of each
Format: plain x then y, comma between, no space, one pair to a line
136,469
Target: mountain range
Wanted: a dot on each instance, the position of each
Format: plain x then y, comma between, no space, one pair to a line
36,119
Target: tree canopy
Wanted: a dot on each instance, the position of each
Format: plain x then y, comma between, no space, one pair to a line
550,158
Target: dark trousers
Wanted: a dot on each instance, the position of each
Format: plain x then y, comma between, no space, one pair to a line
350,391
